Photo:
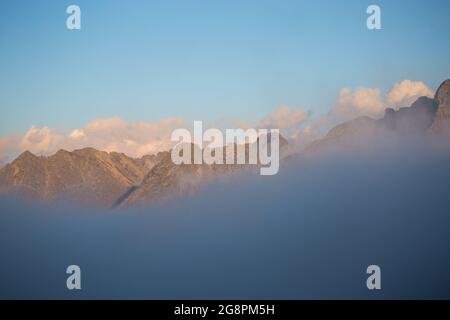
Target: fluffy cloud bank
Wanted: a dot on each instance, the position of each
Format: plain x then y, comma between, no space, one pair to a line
404,93
134,138
370,101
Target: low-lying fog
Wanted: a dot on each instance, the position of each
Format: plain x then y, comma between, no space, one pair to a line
309,232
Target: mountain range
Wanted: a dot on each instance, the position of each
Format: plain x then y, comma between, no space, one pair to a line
92,177
426,116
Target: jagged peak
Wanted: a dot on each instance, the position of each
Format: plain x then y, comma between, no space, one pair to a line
26,155
443,92
443,85
420,100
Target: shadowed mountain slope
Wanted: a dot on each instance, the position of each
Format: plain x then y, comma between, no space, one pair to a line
424,116
167,179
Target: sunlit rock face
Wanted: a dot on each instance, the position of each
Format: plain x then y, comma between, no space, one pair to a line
85,176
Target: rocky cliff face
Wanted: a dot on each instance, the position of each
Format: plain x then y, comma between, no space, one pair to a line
441,122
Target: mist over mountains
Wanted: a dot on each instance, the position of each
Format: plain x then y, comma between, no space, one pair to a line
92,177
369,192
308,232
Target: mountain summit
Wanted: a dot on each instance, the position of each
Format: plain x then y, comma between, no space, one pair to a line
89,176
442,120
85,176
423,116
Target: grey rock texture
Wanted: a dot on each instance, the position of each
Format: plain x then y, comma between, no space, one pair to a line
441,122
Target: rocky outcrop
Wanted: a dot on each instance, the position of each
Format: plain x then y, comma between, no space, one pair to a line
441,122
417,118
423,115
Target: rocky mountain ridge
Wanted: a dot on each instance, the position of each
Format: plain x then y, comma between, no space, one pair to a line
426,116
93,177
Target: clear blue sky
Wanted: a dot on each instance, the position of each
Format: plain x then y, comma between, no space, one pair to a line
143,60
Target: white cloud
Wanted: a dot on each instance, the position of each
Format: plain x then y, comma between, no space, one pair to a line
77,134
134,138
284,118
40,140
404,93
370,101
363,101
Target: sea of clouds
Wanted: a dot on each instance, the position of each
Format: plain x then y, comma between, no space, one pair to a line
309,232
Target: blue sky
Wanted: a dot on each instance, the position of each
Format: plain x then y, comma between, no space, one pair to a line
145,60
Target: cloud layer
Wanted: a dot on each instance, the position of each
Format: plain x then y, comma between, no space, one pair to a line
308,232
